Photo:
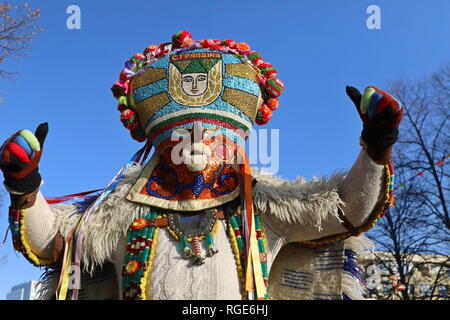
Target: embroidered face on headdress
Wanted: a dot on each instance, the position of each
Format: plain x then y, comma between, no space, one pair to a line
195,74
208,93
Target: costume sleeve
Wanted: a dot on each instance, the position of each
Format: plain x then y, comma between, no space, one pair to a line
35,228
345,208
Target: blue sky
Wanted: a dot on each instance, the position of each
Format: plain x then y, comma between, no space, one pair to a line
317,46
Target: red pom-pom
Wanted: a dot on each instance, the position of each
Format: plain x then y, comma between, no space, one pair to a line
271,73
126,114
165,47
274,87
242,47
263,115
151,48
180,38
138,57
208,43
266,65
272,103
229,43
129,119
255,58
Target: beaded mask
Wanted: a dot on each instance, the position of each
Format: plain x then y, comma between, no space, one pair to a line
195,102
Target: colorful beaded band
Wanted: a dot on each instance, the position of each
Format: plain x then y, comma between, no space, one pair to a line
16,219
182,41
141,243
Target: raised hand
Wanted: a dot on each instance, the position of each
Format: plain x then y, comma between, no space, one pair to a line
19,159
376,108
381,114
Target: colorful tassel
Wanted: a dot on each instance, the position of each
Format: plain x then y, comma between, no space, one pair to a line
185,247
210,245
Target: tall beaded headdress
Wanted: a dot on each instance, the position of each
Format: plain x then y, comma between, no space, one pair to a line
134,115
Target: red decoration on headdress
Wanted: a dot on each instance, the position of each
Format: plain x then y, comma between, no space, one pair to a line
229,43
274,87
138,57
242,47
181,39
129,119
119,88
208,43
263,115
151,48
272,103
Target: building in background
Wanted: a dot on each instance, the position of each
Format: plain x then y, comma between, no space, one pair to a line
24,291
428,277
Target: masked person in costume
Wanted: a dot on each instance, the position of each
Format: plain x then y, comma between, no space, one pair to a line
195,222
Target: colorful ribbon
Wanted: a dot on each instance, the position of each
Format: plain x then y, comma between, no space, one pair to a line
254,278
77,234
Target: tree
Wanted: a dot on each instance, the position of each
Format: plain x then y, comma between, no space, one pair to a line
17,29
414,235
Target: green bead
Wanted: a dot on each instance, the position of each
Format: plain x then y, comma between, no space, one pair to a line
184,242
261,245
240,243
123,100
209,240
264,269
234,223
257,223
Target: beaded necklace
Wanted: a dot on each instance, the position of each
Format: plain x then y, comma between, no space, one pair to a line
142,239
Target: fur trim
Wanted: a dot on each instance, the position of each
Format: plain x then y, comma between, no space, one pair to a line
107,225
298,201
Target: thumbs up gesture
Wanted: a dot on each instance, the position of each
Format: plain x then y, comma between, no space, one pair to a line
19,159
376,108
381,114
